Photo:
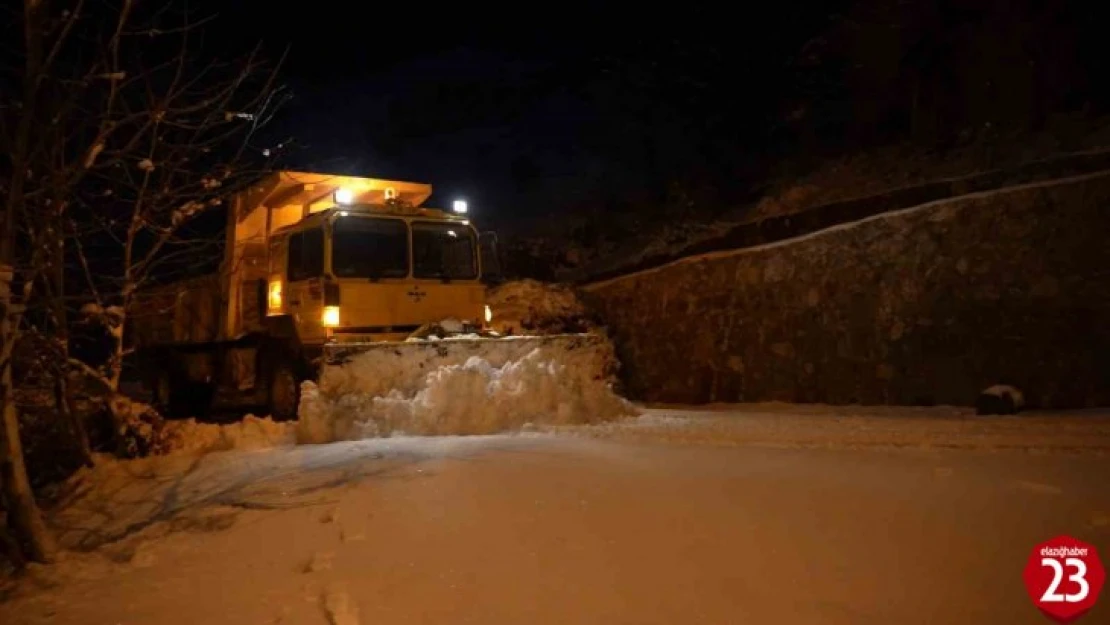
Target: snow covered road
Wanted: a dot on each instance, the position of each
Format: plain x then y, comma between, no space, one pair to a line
760,514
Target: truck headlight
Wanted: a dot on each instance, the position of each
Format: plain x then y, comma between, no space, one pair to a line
273,300
489,314
330,318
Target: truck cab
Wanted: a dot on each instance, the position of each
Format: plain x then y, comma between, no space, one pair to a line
370,273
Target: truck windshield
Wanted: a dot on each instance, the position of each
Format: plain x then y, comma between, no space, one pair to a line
365,247
443,251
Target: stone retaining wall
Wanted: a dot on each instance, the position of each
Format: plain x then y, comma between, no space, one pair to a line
925,305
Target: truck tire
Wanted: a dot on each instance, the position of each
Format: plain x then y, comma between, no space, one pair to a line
285,391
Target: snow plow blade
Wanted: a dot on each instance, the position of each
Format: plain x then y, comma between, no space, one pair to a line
459,385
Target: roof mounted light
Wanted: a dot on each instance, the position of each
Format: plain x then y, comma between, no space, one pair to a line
344,196
459,206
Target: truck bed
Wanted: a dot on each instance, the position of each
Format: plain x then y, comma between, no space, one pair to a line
184,312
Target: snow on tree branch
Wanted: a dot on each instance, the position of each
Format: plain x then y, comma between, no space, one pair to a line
122,145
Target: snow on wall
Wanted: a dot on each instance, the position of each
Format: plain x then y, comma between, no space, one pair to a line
463,387
926,305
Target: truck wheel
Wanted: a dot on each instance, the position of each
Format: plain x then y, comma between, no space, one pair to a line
285,392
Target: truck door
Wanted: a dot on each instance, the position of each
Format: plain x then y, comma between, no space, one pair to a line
304,289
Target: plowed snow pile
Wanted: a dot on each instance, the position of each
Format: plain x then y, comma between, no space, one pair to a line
251,433
463,387
141,431
532,307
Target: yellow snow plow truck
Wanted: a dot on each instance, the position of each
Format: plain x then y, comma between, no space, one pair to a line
317,268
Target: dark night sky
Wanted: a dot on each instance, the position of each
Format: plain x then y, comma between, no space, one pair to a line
527,110
542,107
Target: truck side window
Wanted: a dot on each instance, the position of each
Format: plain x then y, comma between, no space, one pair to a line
306,255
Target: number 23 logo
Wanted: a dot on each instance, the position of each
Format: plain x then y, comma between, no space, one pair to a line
1051,594
1064,577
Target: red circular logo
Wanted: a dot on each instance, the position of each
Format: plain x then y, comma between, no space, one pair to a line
1064,577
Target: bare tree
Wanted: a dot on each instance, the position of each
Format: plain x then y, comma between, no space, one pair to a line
121,135
19,266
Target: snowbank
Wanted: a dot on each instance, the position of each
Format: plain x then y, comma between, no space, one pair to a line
189,436
531,307
463,387
855,427
141,431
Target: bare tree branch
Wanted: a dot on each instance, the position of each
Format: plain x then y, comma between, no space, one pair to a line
119,135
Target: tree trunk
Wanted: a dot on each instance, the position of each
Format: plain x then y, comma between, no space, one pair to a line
23,513
115,364
63,401
63,397
116,325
